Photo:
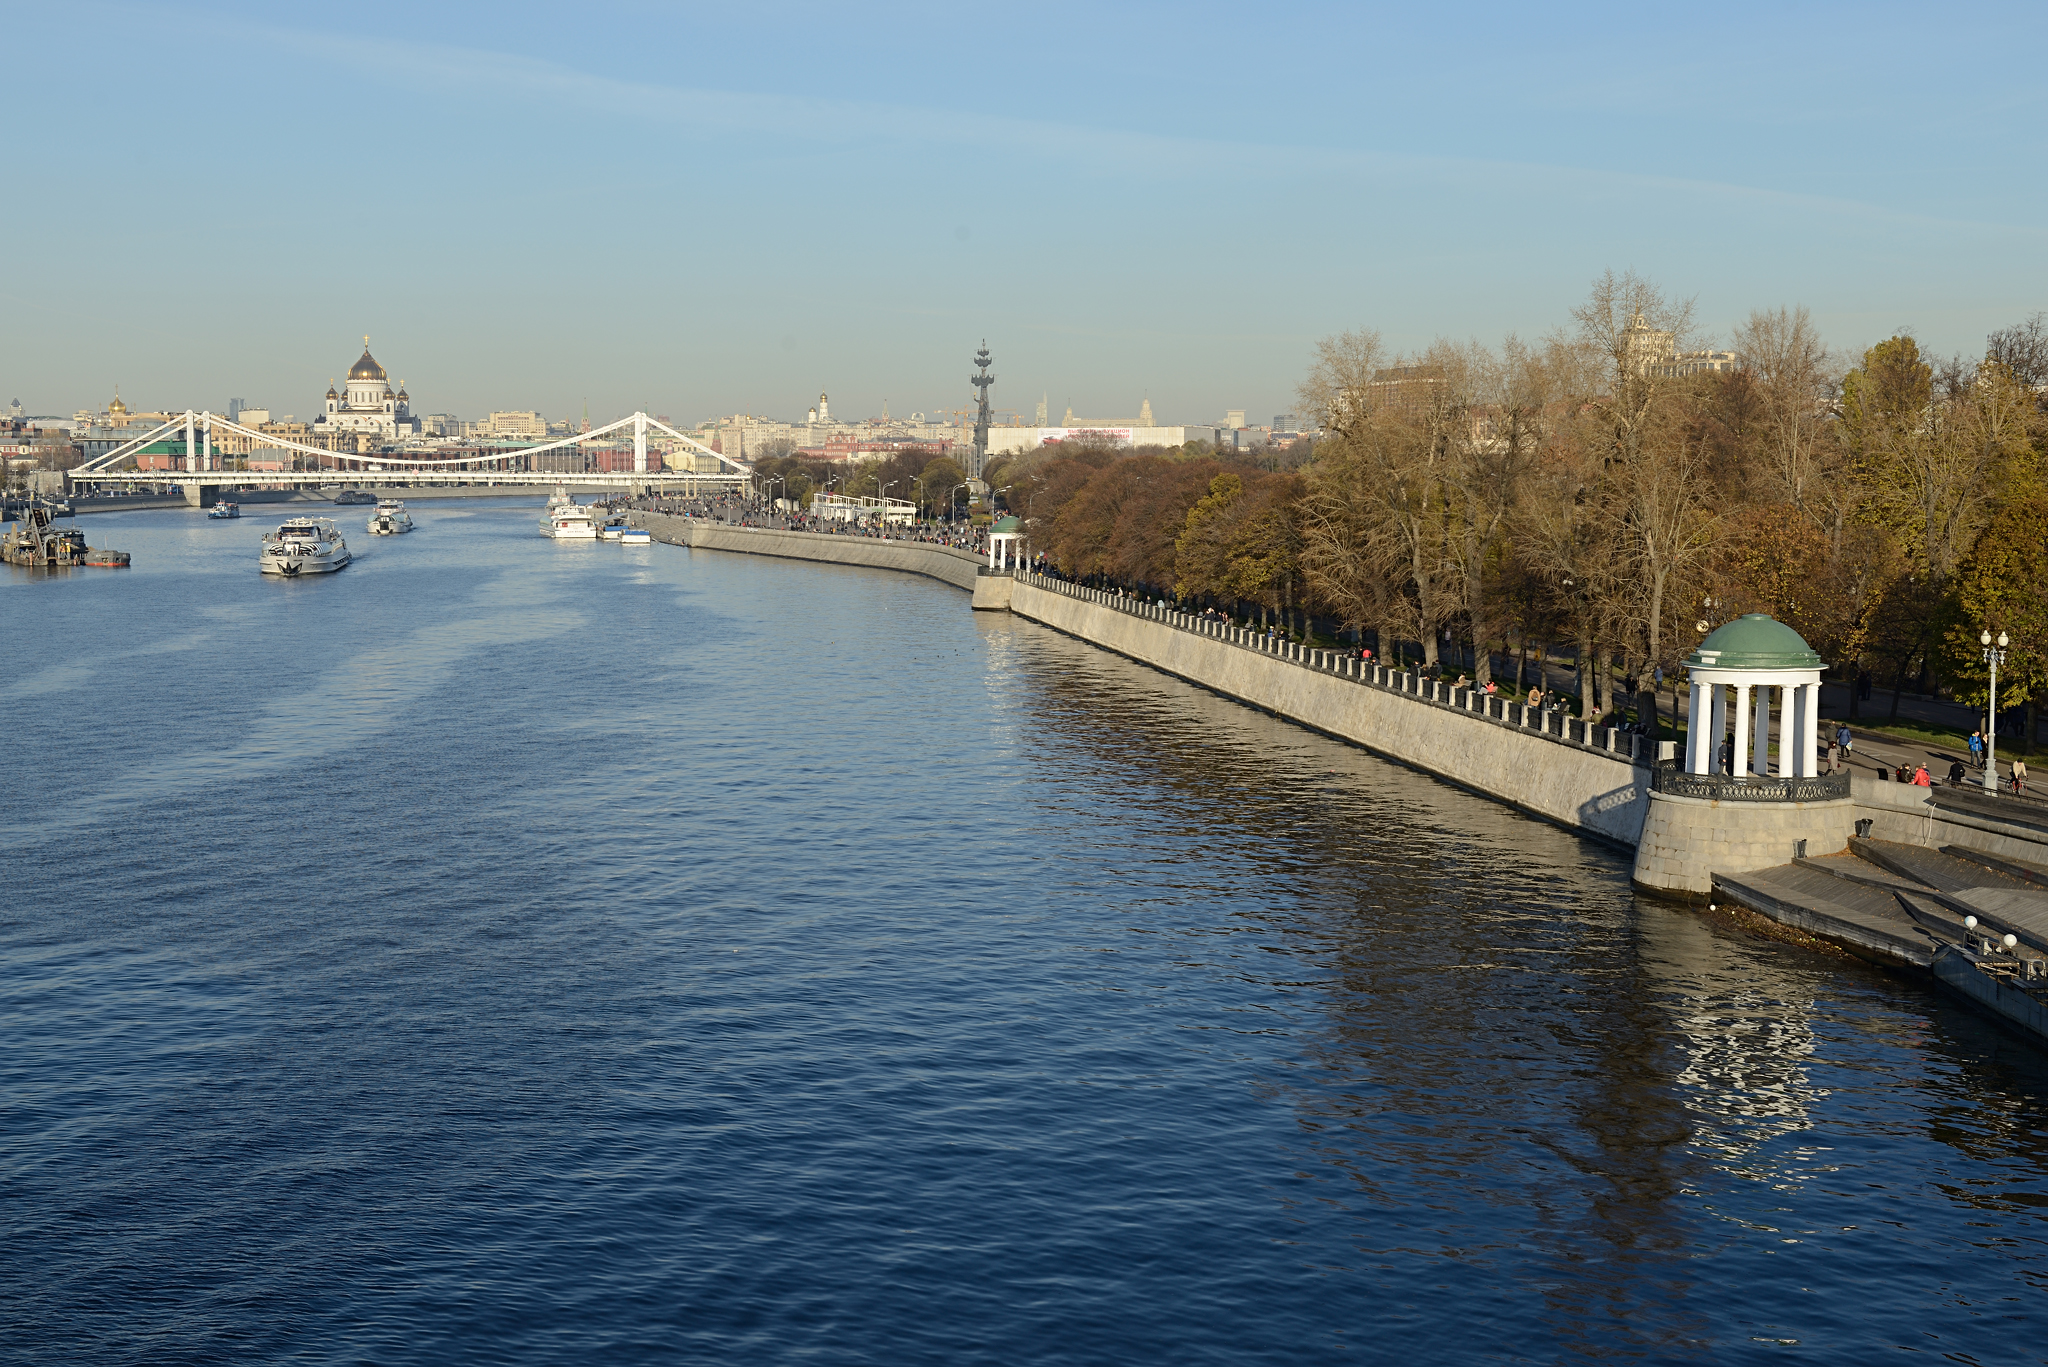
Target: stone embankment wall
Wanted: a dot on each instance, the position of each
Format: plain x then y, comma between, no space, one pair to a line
955,567
1592,779
1585,778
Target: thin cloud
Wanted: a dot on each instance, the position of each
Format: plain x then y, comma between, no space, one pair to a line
1124,154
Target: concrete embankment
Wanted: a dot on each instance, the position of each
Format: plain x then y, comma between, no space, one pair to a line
1584,778
1473,740
955,567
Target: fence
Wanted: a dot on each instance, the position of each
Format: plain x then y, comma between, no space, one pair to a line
1558,726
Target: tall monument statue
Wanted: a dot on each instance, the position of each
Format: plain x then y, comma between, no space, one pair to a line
981,382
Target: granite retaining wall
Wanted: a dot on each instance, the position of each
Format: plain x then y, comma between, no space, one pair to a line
1473,740
955,567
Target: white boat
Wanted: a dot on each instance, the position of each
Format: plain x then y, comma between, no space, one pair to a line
614,529
568,521
636,536
304,545
391,518
222,510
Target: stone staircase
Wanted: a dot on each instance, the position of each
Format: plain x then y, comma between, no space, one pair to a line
1977,923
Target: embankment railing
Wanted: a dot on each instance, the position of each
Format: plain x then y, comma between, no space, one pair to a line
1556,726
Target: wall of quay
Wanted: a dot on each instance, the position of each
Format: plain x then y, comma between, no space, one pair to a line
1590,779
1587,779
955,567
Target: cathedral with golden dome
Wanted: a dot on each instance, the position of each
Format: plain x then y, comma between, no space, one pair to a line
369,405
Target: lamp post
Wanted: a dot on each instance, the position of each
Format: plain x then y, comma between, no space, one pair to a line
1994,655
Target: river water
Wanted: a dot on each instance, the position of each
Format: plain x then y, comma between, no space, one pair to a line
504,951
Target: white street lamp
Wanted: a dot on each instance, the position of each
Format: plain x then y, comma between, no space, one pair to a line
1994,655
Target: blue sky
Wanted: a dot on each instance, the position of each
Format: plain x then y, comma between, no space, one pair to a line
709,209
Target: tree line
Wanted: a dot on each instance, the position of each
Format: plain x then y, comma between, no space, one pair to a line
1607,491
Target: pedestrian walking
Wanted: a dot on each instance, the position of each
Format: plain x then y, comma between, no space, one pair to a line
1834,757
1845,740
1976,749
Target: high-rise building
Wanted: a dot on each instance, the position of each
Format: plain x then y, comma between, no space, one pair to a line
1233,418
1041,409
1145,413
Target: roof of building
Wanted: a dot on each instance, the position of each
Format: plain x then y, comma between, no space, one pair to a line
1754,641
367,368
1008,526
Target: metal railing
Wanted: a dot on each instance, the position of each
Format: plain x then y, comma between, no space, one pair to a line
1556,726
1748,787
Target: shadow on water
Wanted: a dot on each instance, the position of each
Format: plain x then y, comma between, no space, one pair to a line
1587,1110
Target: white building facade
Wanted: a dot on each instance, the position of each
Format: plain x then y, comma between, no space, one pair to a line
368,405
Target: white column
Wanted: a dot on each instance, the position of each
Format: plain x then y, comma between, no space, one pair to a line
1760,759
1809,760
1739,754
639,443
206,443
1719,729
191,451
1696,731
1792,700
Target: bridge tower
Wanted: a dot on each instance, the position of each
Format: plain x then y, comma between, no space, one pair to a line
639,443
191,451
981,382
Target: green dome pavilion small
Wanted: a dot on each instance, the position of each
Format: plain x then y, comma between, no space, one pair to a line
1004,552
1733,671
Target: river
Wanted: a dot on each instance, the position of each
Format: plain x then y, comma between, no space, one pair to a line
506,951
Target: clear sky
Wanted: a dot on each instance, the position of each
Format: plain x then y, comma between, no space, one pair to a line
703,209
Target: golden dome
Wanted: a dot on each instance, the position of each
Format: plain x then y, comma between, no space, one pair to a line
367,368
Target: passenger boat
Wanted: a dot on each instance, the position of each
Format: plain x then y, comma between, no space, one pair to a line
391,518
353,497
614,529
568,520
636,536
304,545
221,510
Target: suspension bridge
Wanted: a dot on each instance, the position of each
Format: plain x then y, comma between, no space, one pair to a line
202,467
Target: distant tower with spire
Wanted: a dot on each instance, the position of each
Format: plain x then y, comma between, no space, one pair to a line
1041,409
1145,413
981,381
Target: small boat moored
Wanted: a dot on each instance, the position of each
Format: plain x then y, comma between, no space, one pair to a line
636,536
303,545
567,520
221,510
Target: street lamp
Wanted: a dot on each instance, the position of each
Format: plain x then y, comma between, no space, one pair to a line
1994,655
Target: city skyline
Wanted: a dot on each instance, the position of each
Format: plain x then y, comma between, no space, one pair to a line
524,218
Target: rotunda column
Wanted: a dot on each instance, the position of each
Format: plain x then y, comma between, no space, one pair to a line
1760,757
1719,730
1738,754
1696,731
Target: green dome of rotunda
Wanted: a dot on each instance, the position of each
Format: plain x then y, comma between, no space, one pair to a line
1754,641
